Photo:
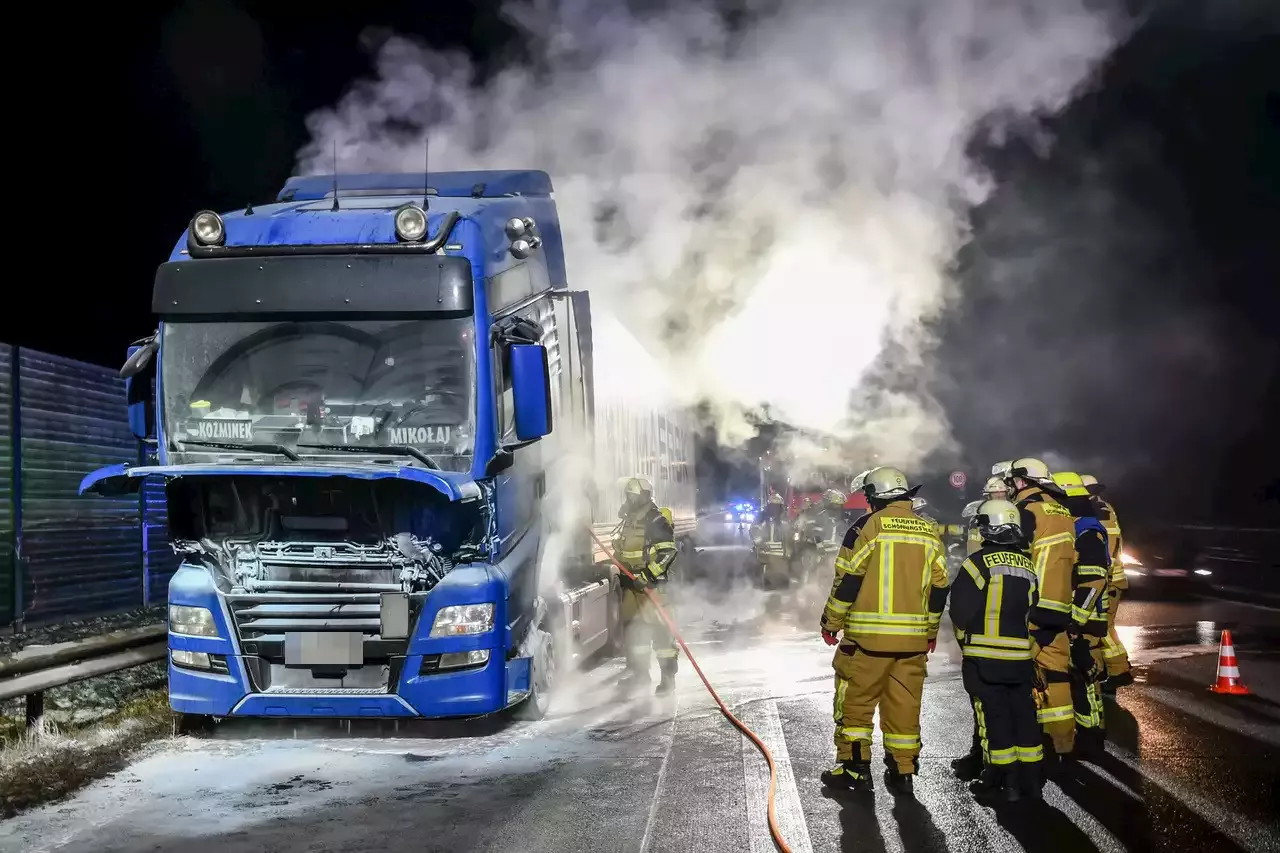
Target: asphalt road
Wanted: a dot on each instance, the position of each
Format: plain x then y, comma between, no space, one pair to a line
1185,769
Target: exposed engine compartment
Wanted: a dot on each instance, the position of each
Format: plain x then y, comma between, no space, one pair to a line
315,556
260,534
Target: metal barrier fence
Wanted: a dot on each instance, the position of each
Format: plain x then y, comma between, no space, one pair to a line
61,555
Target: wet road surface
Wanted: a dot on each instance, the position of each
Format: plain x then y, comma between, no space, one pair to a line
1184,769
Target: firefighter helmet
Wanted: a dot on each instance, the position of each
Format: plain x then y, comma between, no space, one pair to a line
1031,469
835,497
1091,483
999,522
776,499
995,486
1071,484
859,482
637,486
887,483
970,509
918,504
1001,469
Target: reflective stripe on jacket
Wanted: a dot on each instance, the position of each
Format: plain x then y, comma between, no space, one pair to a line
891,586
991,603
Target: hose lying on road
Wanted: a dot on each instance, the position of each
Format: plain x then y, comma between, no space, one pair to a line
738,724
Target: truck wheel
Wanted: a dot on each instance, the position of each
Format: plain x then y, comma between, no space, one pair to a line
541,680
193,724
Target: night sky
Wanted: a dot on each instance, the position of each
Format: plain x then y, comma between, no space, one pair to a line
1173,301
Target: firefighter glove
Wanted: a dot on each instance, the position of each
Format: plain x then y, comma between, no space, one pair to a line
829,638
933,644
1082,657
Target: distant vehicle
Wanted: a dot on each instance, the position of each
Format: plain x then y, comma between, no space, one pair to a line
1175,571
741,513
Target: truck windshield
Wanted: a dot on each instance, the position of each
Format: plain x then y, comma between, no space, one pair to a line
351,385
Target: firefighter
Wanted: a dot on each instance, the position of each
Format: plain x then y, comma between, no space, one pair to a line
1114,652
1048,529
769,539
1088,630
822,533
889,627
991,602
645,544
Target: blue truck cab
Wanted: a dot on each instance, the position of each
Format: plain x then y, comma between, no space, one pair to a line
351,397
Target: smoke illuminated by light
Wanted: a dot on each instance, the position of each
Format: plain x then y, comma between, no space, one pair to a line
790,191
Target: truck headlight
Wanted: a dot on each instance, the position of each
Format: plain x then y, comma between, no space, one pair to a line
190,660
462,619
191,621
411,223
208,229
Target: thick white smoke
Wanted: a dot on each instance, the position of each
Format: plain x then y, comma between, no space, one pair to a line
770,205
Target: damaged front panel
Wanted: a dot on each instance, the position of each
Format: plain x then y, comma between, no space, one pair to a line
314,571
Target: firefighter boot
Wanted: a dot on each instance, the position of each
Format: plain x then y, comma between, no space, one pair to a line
995,784
635,677
969,767
848,776
899,782
668,680
1030,780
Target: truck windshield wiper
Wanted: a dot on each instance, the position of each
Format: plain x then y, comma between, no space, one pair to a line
385,449
233,445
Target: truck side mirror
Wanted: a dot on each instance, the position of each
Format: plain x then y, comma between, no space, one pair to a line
531,390
139,371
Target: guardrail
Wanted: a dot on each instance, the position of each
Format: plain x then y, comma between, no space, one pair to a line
30,672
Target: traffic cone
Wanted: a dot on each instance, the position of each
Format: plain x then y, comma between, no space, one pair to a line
1228,670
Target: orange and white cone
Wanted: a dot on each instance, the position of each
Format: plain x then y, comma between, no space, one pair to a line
1228,670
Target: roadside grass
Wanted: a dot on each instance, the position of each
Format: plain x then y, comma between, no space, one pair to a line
49,763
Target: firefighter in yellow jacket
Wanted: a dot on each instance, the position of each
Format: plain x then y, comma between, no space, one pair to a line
886,603
1049,532
645,544
1088,629
1114,652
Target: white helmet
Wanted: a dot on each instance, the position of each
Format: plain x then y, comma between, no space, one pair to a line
1033,470
887,483
1001,469
970,509
636,485
1091,483
859,482
835,497
918,504
999,521
775,498
994,485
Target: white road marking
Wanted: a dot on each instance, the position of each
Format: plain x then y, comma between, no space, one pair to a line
662,777
763,719
1237,827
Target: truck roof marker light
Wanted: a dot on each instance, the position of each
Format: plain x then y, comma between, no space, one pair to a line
521,233
207,229
411,223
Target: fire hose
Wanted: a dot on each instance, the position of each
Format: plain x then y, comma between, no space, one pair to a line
774,830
